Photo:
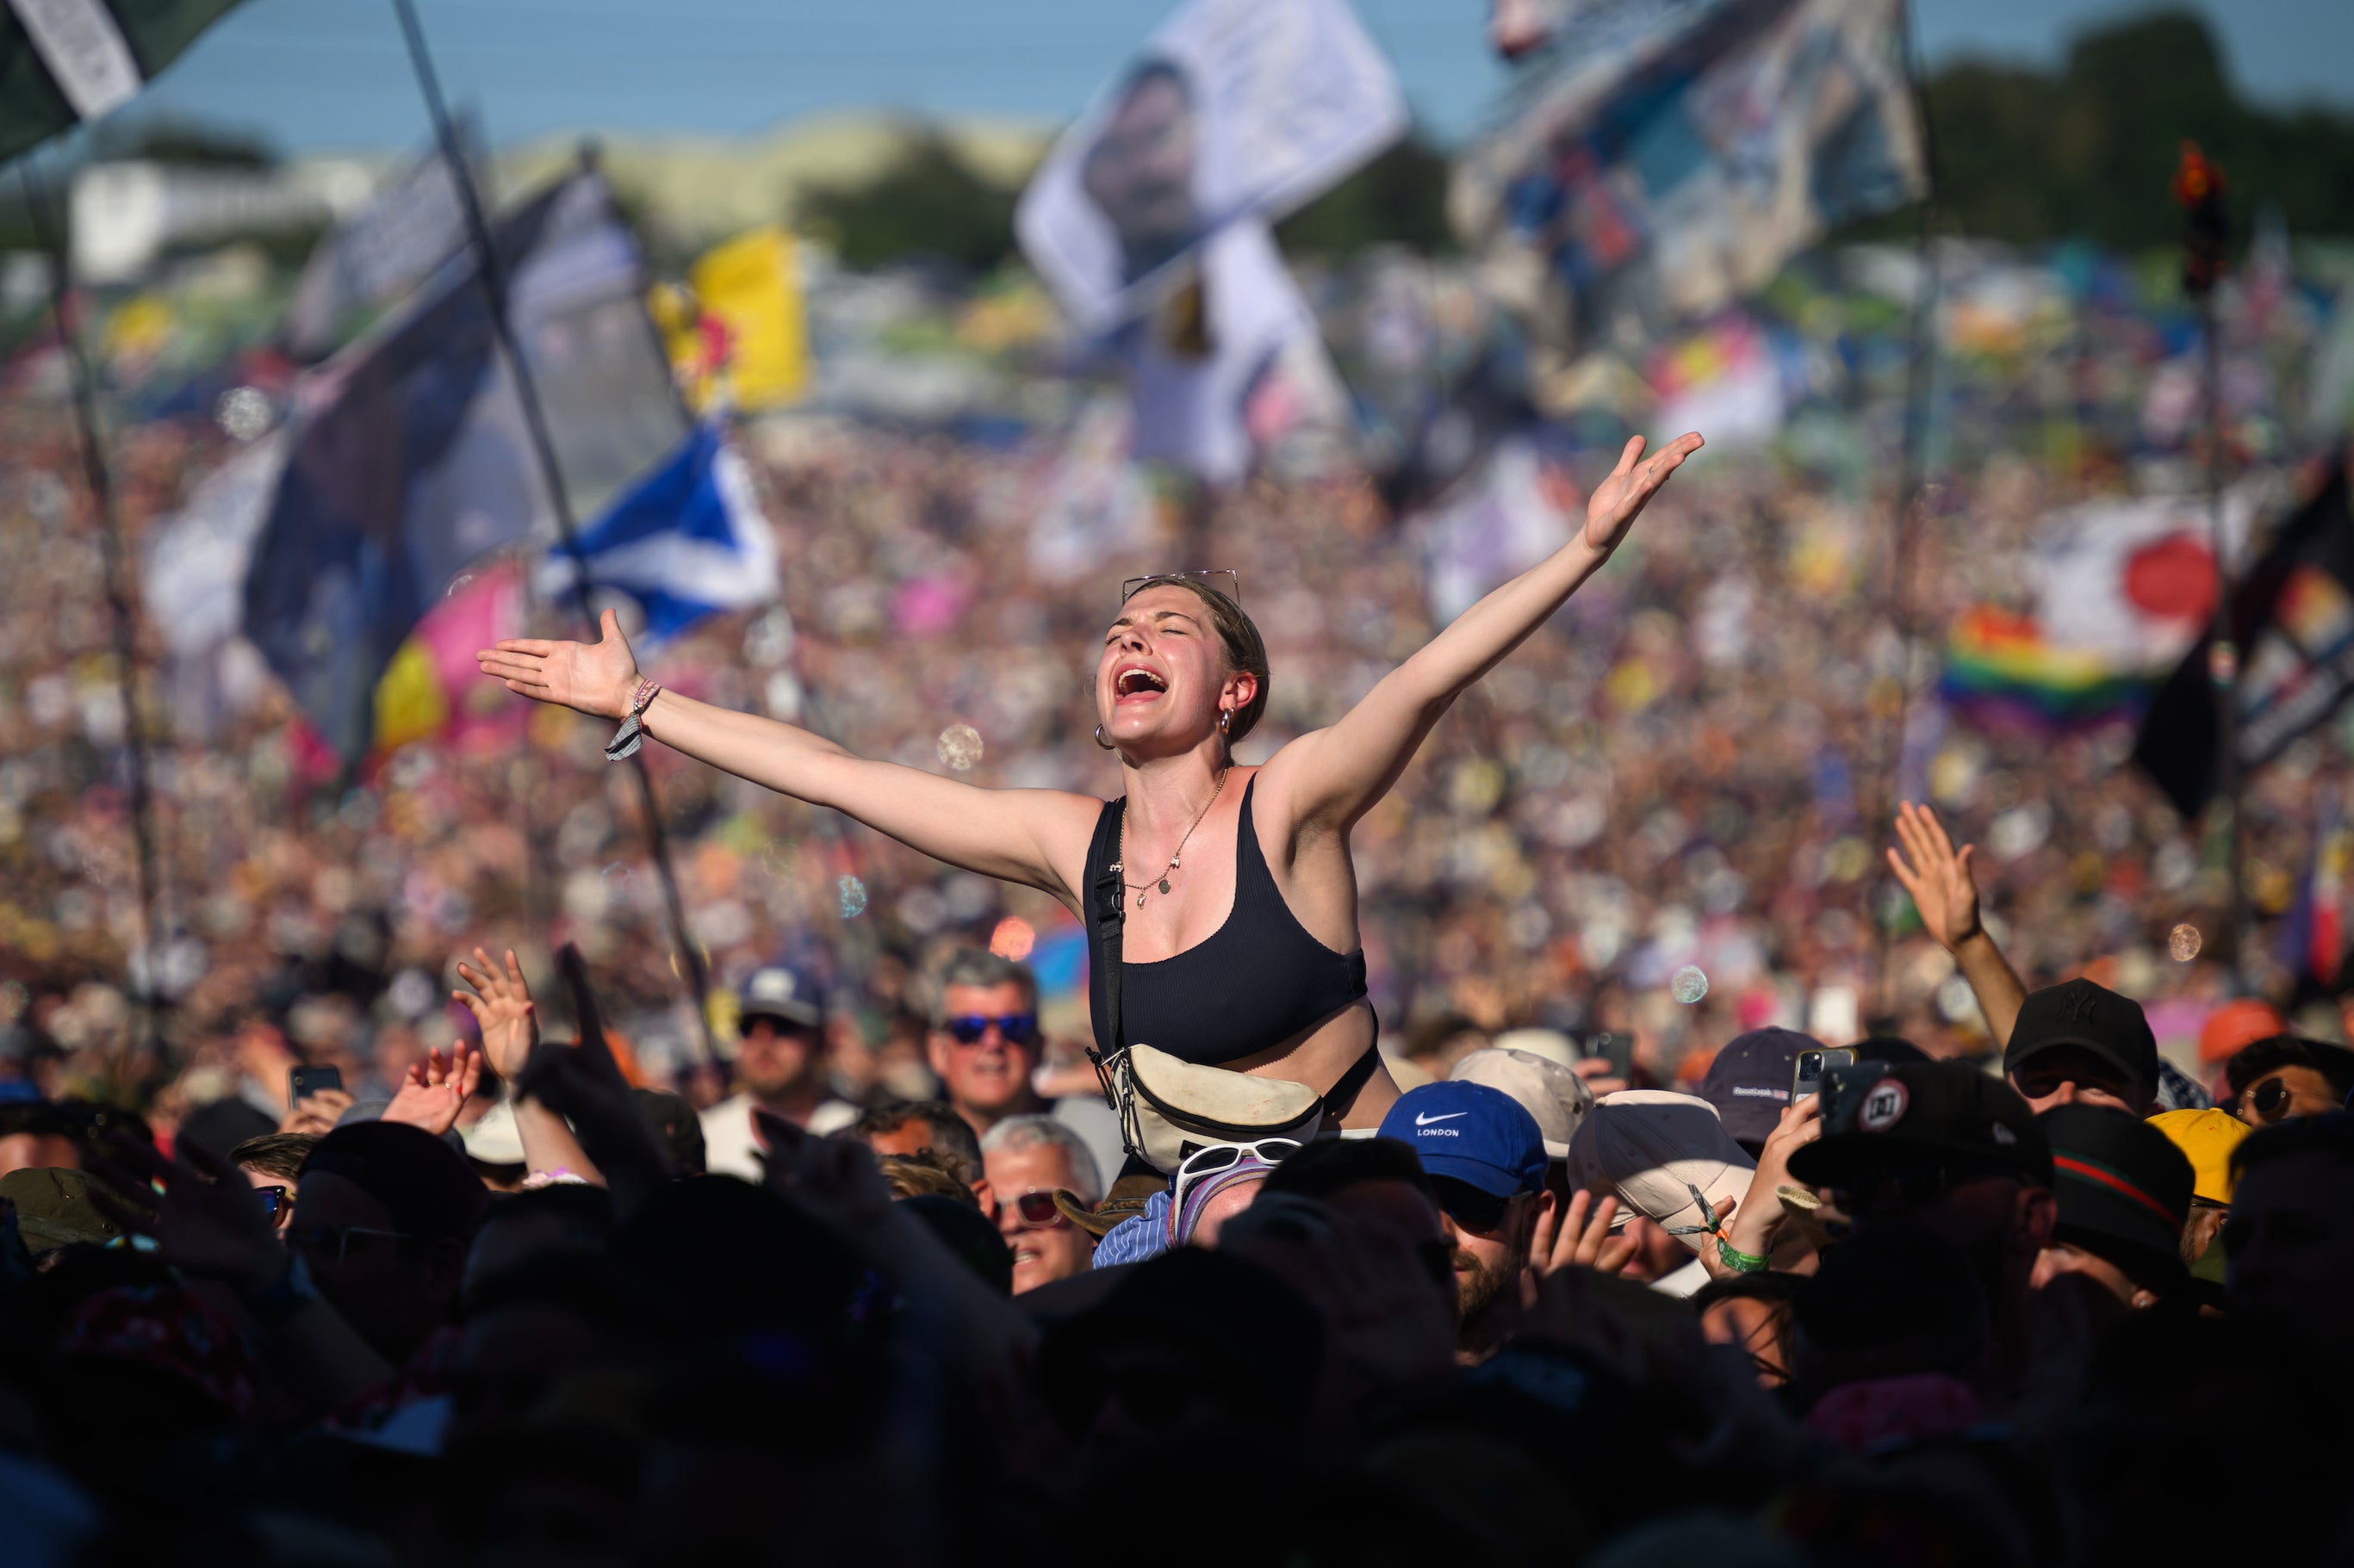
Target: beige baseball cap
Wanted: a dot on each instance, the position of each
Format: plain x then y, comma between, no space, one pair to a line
1550,1092
1653,1149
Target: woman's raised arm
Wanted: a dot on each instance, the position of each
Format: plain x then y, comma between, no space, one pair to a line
1035,837
1331,777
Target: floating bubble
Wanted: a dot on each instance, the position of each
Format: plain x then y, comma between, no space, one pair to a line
2184,942
959,746
458,585
1013,938
1688,985
243,412
853,896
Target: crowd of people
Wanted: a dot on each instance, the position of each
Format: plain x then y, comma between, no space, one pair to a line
1860,1305
345,1220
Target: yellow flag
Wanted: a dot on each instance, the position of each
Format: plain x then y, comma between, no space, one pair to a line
750,286
410,701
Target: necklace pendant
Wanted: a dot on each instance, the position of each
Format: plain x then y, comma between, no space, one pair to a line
1140,901
1164,888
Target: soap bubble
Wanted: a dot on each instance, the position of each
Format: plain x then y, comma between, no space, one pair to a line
853,896
1688,985
243,412
2184,942
959,746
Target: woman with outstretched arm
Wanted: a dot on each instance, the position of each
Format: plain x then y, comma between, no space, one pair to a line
1239,947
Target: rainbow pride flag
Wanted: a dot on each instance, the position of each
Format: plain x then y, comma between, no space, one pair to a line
2001,672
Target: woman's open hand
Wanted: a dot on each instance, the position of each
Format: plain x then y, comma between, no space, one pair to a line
1612,508
502,1011
593,678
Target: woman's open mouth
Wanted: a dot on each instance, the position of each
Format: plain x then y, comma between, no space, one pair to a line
1136,684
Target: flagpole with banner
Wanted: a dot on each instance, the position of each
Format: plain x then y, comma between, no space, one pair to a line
1919,382
147,994
489,269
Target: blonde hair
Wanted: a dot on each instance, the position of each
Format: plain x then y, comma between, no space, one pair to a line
1245,650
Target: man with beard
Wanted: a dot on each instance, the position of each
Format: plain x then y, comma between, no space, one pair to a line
1486,1158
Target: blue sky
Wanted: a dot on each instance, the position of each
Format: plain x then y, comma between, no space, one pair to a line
314,74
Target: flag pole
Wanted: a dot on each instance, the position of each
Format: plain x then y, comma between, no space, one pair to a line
493,274
2199,186
1919,380
145,994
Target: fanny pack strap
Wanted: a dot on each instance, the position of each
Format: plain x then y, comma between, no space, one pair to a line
1110,917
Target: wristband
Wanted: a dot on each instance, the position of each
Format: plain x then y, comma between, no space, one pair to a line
632,733
287,1296
1741,1262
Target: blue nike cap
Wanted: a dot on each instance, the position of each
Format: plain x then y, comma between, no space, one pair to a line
1472,1134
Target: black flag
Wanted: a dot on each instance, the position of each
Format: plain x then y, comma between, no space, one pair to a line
2294,615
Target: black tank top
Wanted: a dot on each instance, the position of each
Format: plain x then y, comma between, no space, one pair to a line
1255,981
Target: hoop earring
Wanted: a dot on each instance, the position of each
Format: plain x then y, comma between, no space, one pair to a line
1102,742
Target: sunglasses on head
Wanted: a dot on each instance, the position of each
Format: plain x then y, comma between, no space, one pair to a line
1038,1212
1223,580
1018,1028
1206,1163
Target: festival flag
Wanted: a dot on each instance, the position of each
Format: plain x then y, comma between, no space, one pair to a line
410,459
433,690
1513,514
2313,937
688,541
2294,616
411,226
2003,674
749,287
1234,109
1668,157
63,62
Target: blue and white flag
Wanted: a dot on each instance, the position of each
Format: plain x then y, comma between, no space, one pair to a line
689,540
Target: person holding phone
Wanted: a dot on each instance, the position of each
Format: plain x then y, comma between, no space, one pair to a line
1237,934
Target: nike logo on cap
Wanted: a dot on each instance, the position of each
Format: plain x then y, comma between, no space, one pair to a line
1423,1119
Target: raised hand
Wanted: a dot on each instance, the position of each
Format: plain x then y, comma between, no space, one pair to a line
316,1114
1611,510
594,678
1938,879
503,1011
1579,1236
436,1088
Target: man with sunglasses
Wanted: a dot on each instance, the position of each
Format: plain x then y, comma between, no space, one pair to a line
1485,1156
2283,1077
779,1069
1028,1159
984,1042
2081,1044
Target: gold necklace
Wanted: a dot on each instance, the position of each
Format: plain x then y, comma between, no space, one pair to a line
1119,866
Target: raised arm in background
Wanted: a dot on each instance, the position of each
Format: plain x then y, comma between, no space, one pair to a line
1034,837
1330,777
502,1008
1947,897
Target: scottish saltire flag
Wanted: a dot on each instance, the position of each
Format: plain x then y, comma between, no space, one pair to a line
68,61
687,541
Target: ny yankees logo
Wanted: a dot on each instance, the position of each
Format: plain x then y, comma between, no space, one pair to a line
2080,1005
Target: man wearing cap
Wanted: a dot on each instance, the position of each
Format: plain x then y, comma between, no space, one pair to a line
2081,1044
2206,1139
1748,1082
1669,1160
1546,1089
779,1069
1485,1156
1941,1145
2123,1192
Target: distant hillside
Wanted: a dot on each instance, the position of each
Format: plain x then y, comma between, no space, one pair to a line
696,188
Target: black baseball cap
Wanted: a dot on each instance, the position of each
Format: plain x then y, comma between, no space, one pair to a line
2084,1016
2123,1188
1890,1117
1749,1081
